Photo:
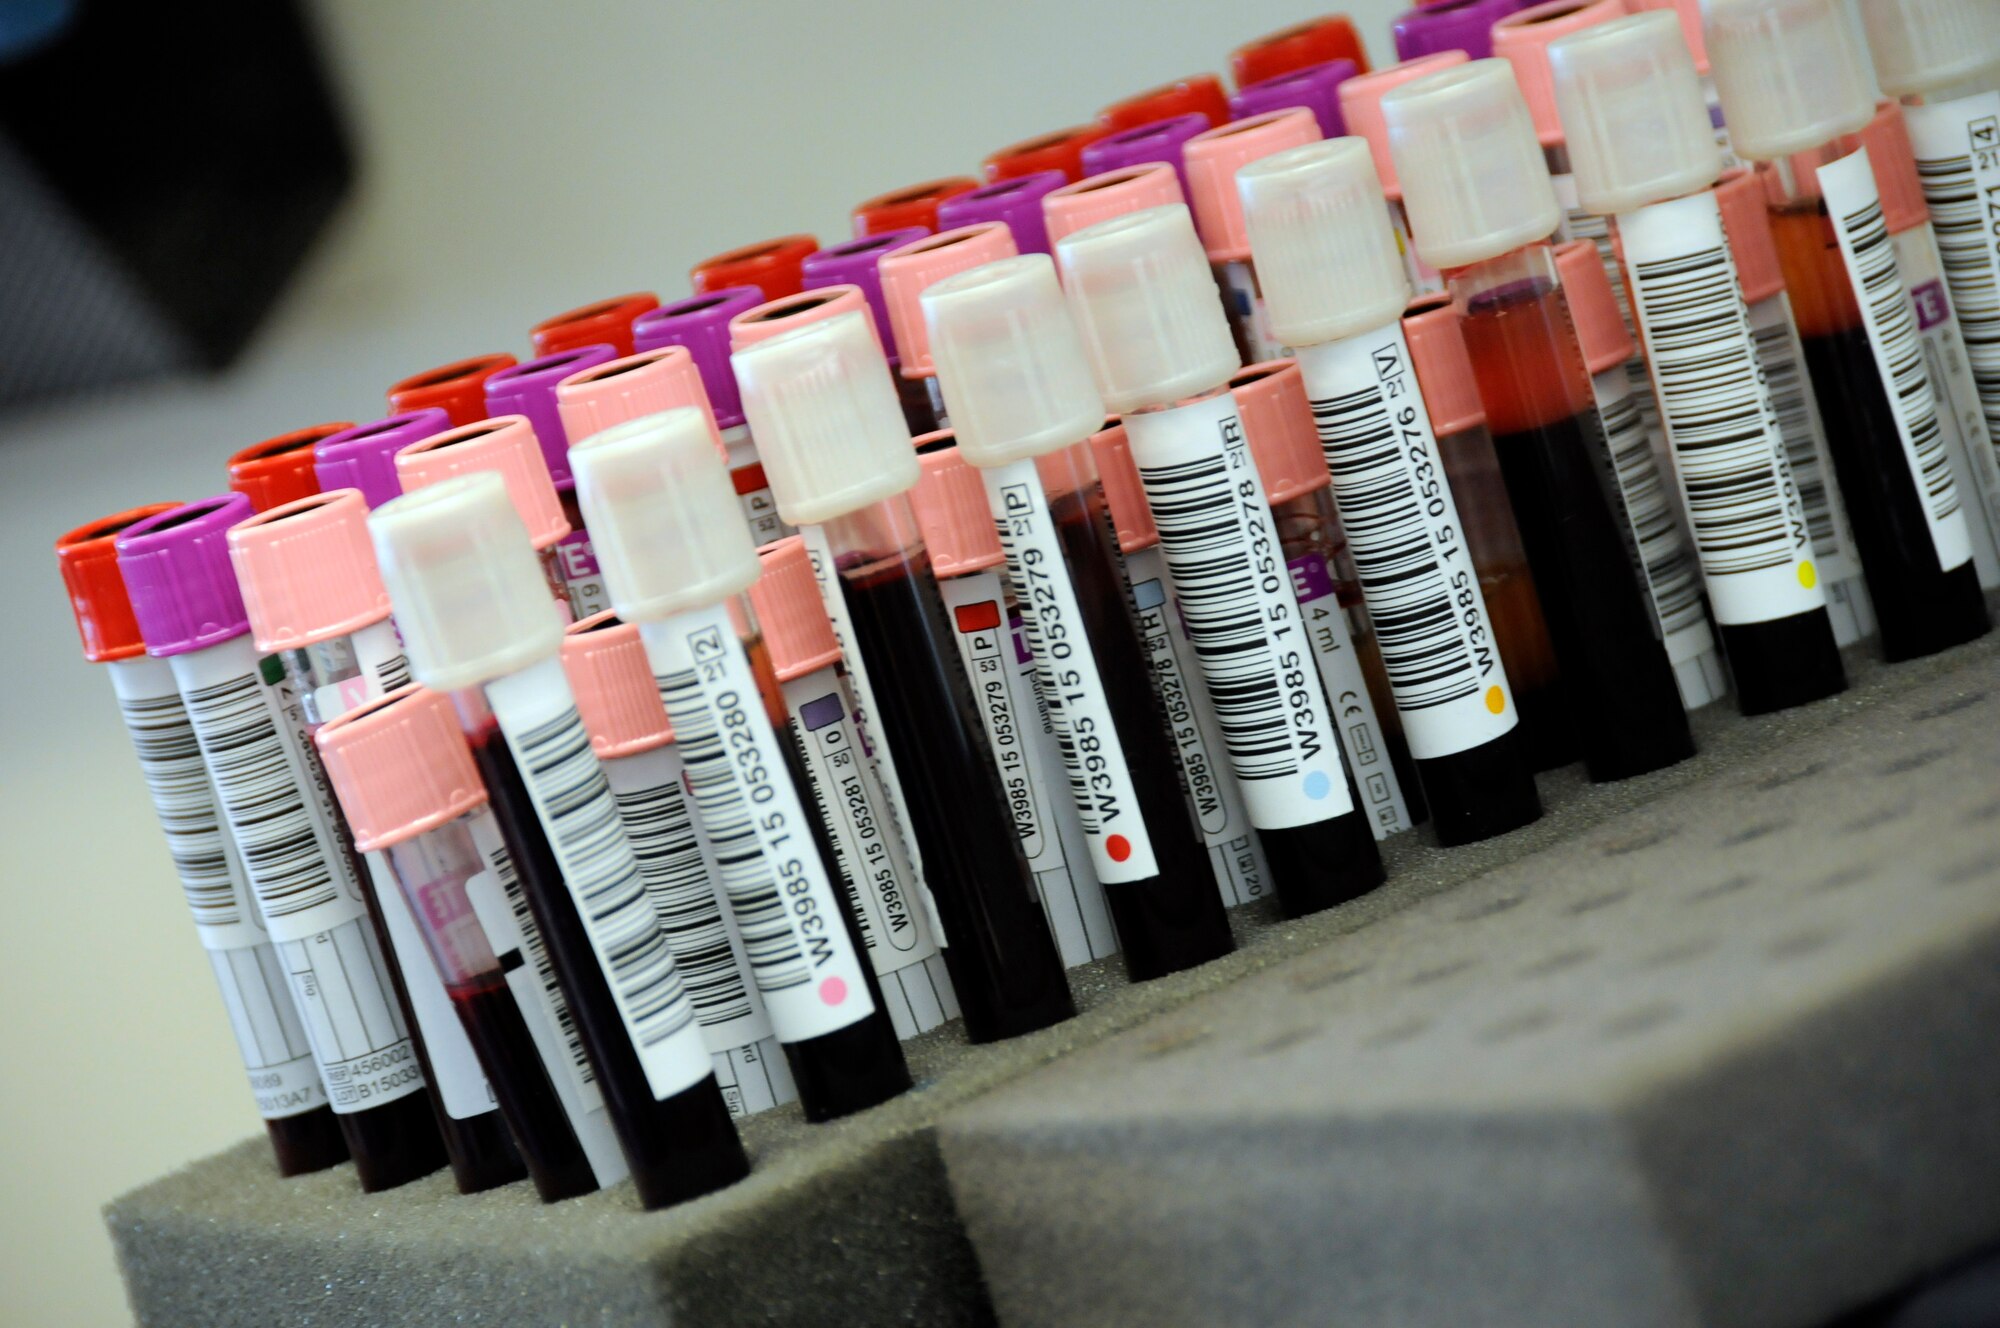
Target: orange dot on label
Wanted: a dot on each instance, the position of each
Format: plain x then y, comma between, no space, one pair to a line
1119,847
1496,700
833,991
1808,574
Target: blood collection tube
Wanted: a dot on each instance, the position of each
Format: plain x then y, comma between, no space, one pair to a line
1060,150
914,206
600,323
405,779
1235,854
1199,94
1015,202
317,608
676,560
1465,26
1138,287
277,1057
363,457
1112,194
1471,467
1361,107
1313,42
620,706
702,325
908,272
1012,367
1284,442
1479,198
251,731
279,470
1317,227
1154,141
880,880
472,601
1645,158
772,266
1522,39
458,388
1796,89
1314,87
1689,14
855,263
1781,355
1212,160
949,501
841,466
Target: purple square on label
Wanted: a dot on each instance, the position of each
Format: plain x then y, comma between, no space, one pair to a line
1311,578
821,711
1932,305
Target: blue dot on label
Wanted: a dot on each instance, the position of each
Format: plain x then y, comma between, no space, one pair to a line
1318,785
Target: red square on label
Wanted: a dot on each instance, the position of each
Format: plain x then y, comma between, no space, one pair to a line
981,617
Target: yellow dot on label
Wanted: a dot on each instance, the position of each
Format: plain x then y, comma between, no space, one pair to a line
1496,700
1807,576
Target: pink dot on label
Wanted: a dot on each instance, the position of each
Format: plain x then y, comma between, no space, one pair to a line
1119,847
833,991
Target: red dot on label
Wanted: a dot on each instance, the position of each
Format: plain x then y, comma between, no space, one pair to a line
1119,847
833,991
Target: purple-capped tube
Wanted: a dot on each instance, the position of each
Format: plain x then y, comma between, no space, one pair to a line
1456,25
1315,87
364,457
1162,140
1017,203
853,263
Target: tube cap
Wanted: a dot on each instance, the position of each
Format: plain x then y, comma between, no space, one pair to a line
1689,14
364,457
1443,365
458,389
1600,328
915,206
1324,247
1315,87
1143,298
1015,203
278,470
907,272
1522,39
1740,195
1014,375
1058,151
400,767
1790,73
504,445
1212,160
663,517
603,323
1112,194
1925,46
87,557
829,427
307,571
1278,426
530,390
1474,179
797,632
176,569
1894,163
774,318
1464,25
468,591
593,400
857,263
951,510
616,696
772,266
1156,141
1201,94
1361,107
1639,127
1124,491
702,325
1315,41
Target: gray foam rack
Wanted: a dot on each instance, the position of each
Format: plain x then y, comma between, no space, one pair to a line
1713,1046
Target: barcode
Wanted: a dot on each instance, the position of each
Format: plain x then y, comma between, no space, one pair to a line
670,862
844,865
395,673
1966,244
1779,359
1894,327
260,794
1668,562
776,962
537,954
1049,699
582,822
1408,595
170,759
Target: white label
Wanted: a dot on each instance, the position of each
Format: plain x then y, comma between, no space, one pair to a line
1856,211
753,491
1957,145
583,584
461,1085
1782,359
1234,851
369,664
1749,525
993,646
1093,756
537,714
875,873
277,1055
1416,574
1248,314
800,953
341,984
1424,279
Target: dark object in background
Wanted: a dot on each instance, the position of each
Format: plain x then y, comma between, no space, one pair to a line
163,170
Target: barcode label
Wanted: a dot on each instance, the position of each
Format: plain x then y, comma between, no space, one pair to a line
1782,359
801,956
1652,535
1856,212
538,717
1249,317
277,1055
1957,145
341,985
1749,525
1402,526
583,584
343,673
455,1073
